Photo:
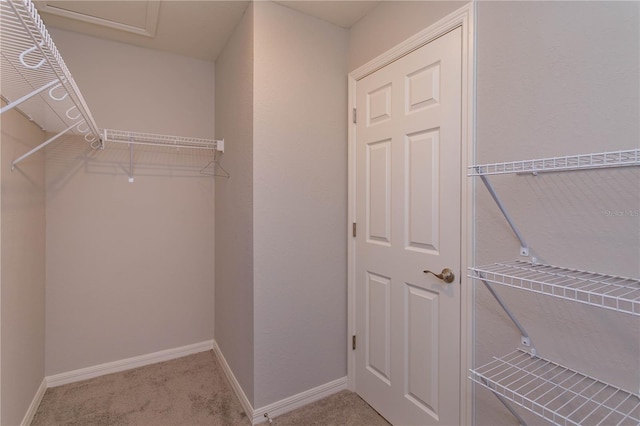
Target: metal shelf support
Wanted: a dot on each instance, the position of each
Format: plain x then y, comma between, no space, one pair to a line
524,336
524,248
506,404
130,162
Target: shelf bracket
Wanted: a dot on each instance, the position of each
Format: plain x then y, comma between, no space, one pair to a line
508,406
43,144
524,248
524,336
130,162
28,96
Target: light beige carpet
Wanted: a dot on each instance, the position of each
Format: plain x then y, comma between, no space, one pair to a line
186,391
342,408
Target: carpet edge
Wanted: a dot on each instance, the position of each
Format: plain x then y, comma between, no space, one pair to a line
126,364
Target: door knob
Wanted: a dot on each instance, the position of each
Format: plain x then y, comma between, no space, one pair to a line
446,275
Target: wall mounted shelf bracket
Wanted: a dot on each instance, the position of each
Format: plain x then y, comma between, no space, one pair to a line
524,251
506,404
524,336
524,248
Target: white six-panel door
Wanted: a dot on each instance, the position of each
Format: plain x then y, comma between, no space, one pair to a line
408,177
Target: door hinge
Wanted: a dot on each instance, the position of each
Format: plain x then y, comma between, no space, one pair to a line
353,342
354,116
353,229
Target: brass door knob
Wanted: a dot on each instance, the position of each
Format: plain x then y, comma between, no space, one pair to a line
446,275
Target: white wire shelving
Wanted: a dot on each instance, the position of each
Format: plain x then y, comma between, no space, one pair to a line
552,391
630,157
605,291
177,142
557,393
137,138
35,79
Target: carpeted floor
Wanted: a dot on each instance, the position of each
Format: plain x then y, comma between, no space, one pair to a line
186,391
342,408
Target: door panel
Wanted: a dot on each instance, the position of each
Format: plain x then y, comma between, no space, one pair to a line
379,192
379,105
378,333
423,88
421,168
408,178
421,331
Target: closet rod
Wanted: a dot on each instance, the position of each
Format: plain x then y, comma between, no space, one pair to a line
28,96
42,145
24,114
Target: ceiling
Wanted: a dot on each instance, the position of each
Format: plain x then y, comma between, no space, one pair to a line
197,29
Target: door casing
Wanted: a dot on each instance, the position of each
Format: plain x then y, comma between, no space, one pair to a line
464,18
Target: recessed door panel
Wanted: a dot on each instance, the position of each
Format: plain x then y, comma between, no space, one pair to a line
379,105
421,348
422,88
378,337
422,191
379,192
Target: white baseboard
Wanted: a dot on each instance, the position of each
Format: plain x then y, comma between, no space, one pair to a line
126,364
257,416
296,401
28,417
237,389
279,407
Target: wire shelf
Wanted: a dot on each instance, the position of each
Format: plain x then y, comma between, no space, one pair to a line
35,77
557,393
624,158
605,291
121,136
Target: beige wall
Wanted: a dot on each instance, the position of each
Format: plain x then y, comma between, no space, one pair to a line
22,268
138,89
558,78
391,23
300,202
234,204
282,92
130,266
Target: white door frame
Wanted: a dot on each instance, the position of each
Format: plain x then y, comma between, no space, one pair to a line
464,18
